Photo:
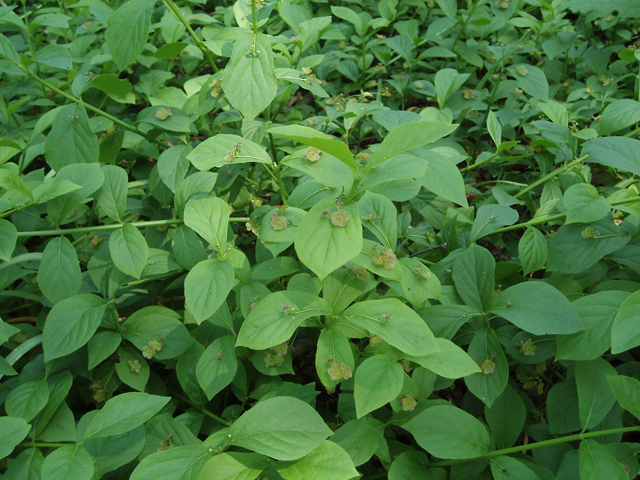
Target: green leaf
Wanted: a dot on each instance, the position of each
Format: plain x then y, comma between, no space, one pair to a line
537,308
563,410
488,385
618,115
217,366
8,239
327,462
111,84
71,140
233,466
129,250
597,463
101,346
381,215
11,182
627,392
71,462
360,438
249,79
187,247
473,275
178,463
127,371
209,218
323,246
27,400
506,417
490,218
410,465
319,140
14,430
158,324
625,332
112,197
273,428
109,453
584,204
277,316
530,79
88,176
449,432
508,468
625,8
597,312
57,56
533,250
447,82
70,324
617,152
406,137
443,177
595,396
495,128
333,349
395,323
127,31
8,51
418,282
124,412
450,362
59,275
207,286
213,151
378,380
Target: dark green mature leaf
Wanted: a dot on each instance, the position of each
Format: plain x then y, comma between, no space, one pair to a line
596,463
443,177
112,197
217,366
625,333
123,413
328,461
627,392
595,396
450,362
486,350
473,275
88,176
233,466
378,381
508,468
411,464
8,239
207,286
178,463
506,417
360,438
70,324
8,51
616,152
127,31
584,204
59,275
249,79
618,115
57,56
132,368
27,400
71,139
187,247
533,250
14,430
11,182
563,409
531,79
158,324
490,218
129,250
395,323
625,8
274,428
71,462
449,432
537,308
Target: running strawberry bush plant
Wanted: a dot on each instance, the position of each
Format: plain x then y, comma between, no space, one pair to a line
317,240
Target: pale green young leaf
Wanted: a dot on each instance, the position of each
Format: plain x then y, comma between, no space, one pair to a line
124,412
71,140
333,349
447,82
14,430
127,31
88,176
178,463
8,239
395,323
129,250
233,466
617,152
209,218
27,399
584,204
533,250
327,462
273,428
531,79
537,308
56,56
442,177
449,432
71,462
378,380
173,165
59,275
378,215
325,242
249,79
187,247
618,115
214,151
217,366
11,182
450,361
494,127
71,323
597,463
627,392
207,286
112,197
418,282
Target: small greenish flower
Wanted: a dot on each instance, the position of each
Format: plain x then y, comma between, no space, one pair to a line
522,70
423,273
233,153
408,403
216,88
361,273
156,345
334,372
135,366
163,113
312,154
468,94
278,222
527,348
488,367
418,85
386,260
148,352
373,341
282,349
307,70
19,337
339,218
588,233
363,157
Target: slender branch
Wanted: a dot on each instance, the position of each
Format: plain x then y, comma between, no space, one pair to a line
114,226
88,106
254,14
203,48
443,245
199,408
44,445
551,174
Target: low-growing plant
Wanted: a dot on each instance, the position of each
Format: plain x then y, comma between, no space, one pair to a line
308,240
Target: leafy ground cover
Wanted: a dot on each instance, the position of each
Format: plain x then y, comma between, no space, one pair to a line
315,240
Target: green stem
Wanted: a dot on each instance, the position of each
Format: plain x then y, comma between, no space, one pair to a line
543,444
254,14
44,445
199,408
203,48
26,257
276,169
551,174
88,106
115,226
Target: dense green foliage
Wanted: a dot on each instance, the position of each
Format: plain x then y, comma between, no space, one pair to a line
311,240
